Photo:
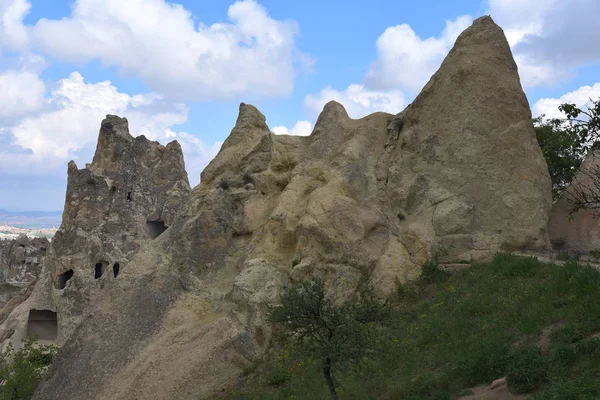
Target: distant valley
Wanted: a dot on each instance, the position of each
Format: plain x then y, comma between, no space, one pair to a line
31,223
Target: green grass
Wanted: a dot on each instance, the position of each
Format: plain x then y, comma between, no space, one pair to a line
466,329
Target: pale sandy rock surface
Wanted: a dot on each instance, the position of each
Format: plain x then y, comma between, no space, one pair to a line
579,231
368,199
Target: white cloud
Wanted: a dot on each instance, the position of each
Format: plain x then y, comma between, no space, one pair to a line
357,100
197,154
405,61
300,128
13,34
68,128
579,97
22,93
551,39
253,54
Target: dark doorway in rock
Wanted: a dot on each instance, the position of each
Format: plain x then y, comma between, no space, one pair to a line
129,196
155,228
116,268
99,269
42,324
64,278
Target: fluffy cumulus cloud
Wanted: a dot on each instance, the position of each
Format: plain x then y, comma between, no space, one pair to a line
579,97
68,127
358,100
551,39
13,34
406,61
252,54
403,65
300,128
22,93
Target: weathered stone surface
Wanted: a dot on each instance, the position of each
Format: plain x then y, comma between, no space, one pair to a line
368,199
21,260
466,169
579,231
130,181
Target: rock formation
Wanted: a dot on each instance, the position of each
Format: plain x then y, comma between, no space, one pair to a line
127,196
371,198
21,260
579,231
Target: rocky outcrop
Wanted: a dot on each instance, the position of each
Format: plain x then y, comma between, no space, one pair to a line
463,168
580,230
127,196
21,260
368,199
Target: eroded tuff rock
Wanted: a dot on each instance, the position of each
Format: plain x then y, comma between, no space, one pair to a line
373,197
579,231
125,197
21,260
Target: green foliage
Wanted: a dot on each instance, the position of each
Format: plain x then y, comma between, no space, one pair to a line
585,122
562,149
527,369
340,335
23,369
595,254
564,142
430,271
278,376
480,324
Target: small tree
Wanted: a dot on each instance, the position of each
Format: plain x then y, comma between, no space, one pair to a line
563,150
335,334
584,123
21,371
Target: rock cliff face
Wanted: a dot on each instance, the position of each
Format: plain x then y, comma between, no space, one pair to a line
21,260
375,197
126,197
581,230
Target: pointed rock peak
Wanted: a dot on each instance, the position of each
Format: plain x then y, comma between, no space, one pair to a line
333,114
484,33
115,125
72,167
249,116
334,109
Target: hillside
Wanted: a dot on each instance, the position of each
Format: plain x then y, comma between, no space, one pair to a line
536,324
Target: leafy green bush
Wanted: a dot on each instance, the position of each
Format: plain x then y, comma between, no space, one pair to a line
22,370
340,336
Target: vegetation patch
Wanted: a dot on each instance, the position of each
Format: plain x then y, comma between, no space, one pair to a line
444,336
22,370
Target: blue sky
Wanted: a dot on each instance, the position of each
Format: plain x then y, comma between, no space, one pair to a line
178,70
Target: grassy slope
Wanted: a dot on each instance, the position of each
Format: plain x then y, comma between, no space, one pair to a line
470,328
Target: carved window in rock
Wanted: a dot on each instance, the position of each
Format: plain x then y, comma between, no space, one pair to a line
99,269
116,269
42,324
64,278
155,228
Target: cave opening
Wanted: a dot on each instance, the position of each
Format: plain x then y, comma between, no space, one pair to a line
99,269
155,228
42,324
116,268
64,278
